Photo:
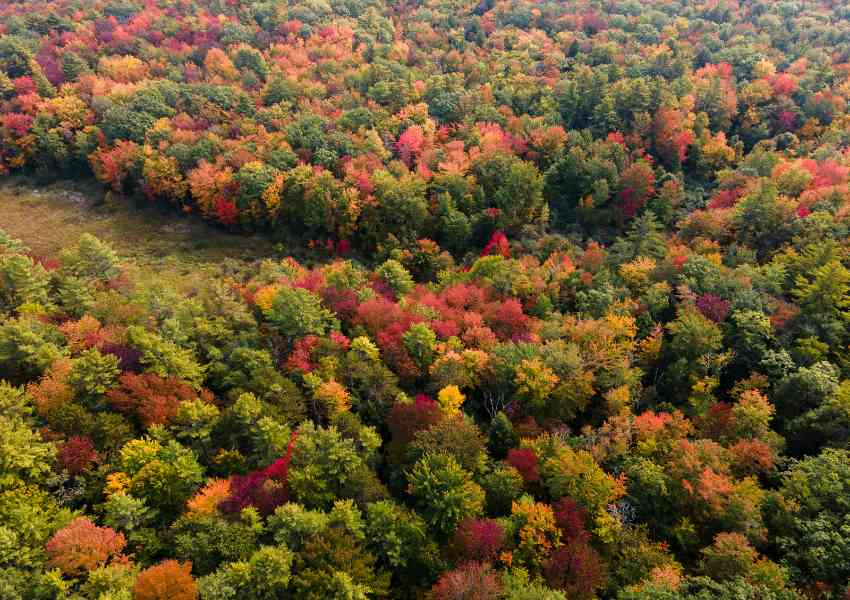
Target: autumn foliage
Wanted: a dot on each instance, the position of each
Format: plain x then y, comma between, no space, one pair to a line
168,580
76,455
472,581
82,546
152,399
535,299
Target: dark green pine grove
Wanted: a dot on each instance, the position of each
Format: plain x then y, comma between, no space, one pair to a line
560,308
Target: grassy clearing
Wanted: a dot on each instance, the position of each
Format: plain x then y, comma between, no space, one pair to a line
48,218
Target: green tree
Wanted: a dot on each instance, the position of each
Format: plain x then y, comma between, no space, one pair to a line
244,369
812,523
373,385
251,59
25,457
164,357
27,348
93,373
121,122
253,179
501,435
458,436
326,466
806,389
400,540
74,295
502,486
444,492
824,300
703,588
695,353
513,186
400,210
163,475
577,475
643,238
293,525
826,425
396,276
296,312
263,576
335,565
420,342
210,540
22,281
761,219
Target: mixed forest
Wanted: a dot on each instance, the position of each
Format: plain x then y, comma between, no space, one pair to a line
560,305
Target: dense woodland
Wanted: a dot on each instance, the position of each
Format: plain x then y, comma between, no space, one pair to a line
569,318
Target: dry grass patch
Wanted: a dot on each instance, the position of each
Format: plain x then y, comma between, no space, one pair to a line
49,218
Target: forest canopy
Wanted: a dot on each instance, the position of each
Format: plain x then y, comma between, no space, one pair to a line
560,311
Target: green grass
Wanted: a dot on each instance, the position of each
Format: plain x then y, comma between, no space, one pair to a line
50,217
